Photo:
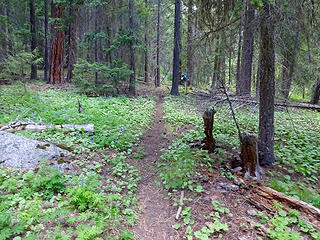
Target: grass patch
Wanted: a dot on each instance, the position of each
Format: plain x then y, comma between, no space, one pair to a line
118,121
95,197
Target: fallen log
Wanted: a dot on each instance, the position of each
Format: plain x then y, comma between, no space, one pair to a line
252,101
41,127
267,196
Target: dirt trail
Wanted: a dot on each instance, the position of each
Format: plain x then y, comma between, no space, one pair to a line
157,213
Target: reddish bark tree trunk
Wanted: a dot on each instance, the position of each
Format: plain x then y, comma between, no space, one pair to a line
56,68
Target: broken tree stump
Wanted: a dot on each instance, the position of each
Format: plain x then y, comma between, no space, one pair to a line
249,156
209,142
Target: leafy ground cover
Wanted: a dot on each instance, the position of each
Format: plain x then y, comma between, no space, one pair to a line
67,203
117,120
91,194
296,132
190,169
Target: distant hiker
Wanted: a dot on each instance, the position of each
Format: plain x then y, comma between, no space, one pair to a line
184,79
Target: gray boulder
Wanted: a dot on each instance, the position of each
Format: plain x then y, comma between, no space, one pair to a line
21,152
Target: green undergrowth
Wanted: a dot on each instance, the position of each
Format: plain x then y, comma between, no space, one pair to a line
95,196
298,190
179,162
118,121
287,225
296,132
214,228
296,145
78,203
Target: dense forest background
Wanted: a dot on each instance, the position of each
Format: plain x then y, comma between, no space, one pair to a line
104,46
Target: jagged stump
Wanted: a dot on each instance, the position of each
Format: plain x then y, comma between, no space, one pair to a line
209,142
249,156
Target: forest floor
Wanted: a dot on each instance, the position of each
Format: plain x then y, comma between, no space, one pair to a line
157,213
144,162
220,210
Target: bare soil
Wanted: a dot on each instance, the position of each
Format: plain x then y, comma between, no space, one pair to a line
156,216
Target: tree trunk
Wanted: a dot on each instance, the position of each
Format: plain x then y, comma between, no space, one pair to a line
230,62
7,29
146,66
4,45
247,53
267,86
157,79
288,69
96,15
56,68
258,77
132,83
70,68
46,44
176,51
217,66
189,43
238,83
316,92
33,37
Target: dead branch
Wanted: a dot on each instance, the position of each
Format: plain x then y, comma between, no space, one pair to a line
224,89
20,125
255,102
180,205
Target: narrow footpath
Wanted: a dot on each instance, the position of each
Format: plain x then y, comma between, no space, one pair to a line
157,213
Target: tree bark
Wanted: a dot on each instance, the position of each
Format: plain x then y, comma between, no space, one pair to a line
3,39
132,83
146,65
247,52
267,86
176,50
96,15
258,77
46,44
208,119
70,68
57,49
269,196
33,37
8,42
157,79
316,92
288,69
238,83
189,43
